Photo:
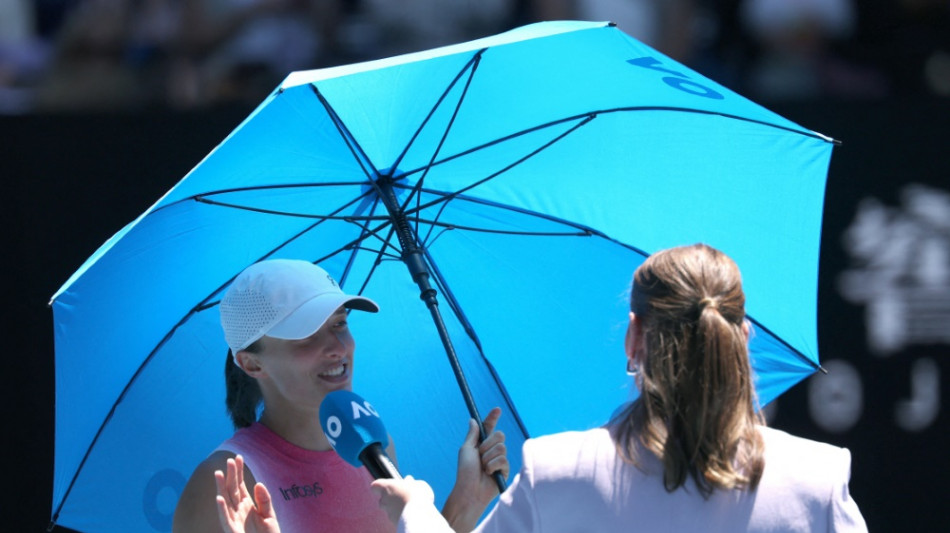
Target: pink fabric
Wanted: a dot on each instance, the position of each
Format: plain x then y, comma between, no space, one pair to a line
313,492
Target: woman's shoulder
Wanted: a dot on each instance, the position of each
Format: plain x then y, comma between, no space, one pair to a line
569,448
789,458
807,478
194,510
570,439
783,442
216,460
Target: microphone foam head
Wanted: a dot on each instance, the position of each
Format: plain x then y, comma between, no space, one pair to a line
351,424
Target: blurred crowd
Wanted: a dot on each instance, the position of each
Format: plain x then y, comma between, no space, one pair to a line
101,55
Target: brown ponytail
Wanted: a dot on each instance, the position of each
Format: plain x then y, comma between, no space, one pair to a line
697,408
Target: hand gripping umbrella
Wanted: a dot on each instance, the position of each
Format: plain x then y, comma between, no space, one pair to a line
521,178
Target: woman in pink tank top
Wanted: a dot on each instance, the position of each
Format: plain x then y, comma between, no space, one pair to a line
285,322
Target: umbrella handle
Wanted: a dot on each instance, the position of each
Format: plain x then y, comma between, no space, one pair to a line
413,258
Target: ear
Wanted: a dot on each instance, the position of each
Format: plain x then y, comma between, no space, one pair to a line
746,330
249,363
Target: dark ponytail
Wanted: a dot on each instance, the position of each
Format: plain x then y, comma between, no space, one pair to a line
243,393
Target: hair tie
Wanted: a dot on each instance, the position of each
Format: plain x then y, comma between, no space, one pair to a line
708,302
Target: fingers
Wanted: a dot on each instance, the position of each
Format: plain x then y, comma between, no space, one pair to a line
238,463
264,504
496,463
227,499
494,454
220,483
224,512
489,423
492,451
234,503
494,443
471,438
394,494
386,486
404,489
226,483
230,484
491,420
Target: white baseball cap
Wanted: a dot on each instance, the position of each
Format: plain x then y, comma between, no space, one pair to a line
282,298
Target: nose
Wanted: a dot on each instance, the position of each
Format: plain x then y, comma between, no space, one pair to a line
335,345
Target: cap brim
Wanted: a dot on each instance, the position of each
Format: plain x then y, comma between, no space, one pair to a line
361,303
310,316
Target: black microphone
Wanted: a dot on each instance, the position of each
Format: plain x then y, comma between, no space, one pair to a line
356,432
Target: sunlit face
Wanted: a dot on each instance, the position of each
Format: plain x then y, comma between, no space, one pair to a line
304,371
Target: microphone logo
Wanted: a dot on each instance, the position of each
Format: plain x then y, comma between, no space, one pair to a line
351,424
356,432
334,426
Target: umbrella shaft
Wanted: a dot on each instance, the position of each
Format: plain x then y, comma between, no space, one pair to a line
412,256
428,295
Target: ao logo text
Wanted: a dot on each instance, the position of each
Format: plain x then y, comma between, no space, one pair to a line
335,427
674,79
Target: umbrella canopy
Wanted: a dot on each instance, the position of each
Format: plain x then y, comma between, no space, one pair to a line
528,173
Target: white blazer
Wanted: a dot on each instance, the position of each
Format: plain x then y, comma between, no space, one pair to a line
575,482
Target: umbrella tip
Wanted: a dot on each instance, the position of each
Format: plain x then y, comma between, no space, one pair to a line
822,369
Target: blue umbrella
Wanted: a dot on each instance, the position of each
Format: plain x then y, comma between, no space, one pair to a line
521,178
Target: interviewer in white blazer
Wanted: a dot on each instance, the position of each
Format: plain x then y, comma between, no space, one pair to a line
691,454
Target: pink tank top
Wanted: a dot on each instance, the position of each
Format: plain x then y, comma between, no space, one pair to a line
313,492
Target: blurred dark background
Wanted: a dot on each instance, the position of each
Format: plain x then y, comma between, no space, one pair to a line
105,104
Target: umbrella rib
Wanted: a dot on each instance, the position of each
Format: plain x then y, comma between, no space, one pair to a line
438,215
364,231
115,405
358,153
381,253
386,242
582,230
282,186
205,303
205,195
503,139
595,113
474,62
367,232
790,348
449,296
348,218
455,194
587,231
584,120
351,143
261,210
471,65
447,227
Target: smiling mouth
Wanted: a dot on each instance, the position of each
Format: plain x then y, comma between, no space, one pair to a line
334,372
